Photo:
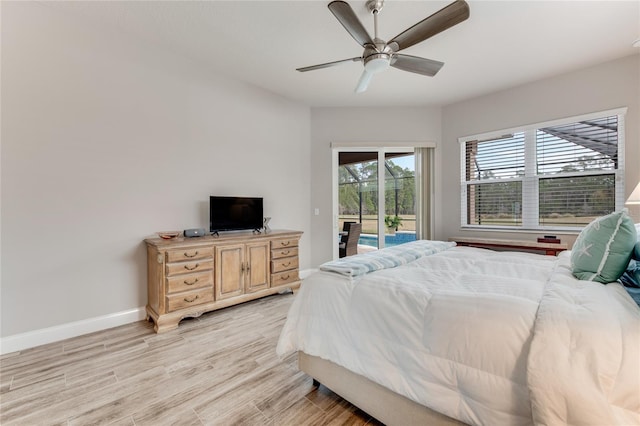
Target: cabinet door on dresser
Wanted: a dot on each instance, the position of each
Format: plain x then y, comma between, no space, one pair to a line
229,270
257,266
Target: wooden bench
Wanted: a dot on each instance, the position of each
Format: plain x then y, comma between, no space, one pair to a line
550,249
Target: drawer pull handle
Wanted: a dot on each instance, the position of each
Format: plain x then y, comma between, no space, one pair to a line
286,264
285,243
191,268
191,255
193,299
191,283
285,277
285,252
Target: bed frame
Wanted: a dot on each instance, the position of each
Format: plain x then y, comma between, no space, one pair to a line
386,406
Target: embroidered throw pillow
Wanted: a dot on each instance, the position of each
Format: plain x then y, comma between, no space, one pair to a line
603,249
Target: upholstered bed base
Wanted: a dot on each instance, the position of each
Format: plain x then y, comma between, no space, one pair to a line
388,407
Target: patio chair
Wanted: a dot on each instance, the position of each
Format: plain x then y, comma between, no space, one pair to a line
346,225
349,242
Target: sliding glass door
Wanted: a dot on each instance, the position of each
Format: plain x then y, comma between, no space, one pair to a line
358,193
377,188
400,198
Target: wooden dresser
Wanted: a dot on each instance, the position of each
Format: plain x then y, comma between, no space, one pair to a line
187,277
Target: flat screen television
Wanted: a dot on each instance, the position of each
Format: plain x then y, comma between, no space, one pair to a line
235,213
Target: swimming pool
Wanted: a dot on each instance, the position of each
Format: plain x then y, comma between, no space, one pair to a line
389,240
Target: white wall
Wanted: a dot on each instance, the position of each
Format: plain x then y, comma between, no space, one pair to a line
107,139
606,86
374,125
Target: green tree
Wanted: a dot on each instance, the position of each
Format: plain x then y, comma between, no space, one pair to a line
364,182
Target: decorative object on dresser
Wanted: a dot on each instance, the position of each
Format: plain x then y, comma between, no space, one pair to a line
167,235
194,232
187,277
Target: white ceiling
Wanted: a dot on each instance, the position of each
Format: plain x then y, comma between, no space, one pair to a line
501,45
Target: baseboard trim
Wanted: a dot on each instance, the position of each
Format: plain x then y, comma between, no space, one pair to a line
306,272
31,339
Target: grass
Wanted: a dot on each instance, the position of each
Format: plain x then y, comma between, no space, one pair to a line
370,222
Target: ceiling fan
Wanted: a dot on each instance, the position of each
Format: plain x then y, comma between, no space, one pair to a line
379,55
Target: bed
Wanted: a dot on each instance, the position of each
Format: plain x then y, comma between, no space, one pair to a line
431,333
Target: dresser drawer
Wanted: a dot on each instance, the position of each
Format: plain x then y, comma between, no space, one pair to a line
189,298
187,282
284,278
189,267
284,264
284,252
284,243
189,254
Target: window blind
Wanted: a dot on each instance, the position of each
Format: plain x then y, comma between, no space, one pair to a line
578,147
560,175
499,158
576,154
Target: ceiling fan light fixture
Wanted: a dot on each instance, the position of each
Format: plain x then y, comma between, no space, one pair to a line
377,63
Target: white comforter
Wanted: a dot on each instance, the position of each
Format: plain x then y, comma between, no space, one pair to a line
584,362
453,331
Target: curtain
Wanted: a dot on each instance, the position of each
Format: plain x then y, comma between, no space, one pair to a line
424,193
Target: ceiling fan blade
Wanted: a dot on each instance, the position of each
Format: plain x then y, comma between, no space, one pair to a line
328,64
446,17
415,64
364,81
343,12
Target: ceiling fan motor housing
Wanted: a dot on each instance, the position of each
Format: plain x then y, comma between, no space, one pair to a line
377,57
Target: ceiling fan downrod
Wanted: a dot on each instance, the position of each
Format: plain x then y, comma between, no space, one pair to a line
376,57
375,6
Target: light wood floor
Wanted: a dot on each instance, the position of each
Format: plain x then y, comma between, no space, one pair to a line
219,369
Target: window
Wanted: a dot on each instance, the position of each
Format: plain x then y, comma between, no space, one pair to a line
558,175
